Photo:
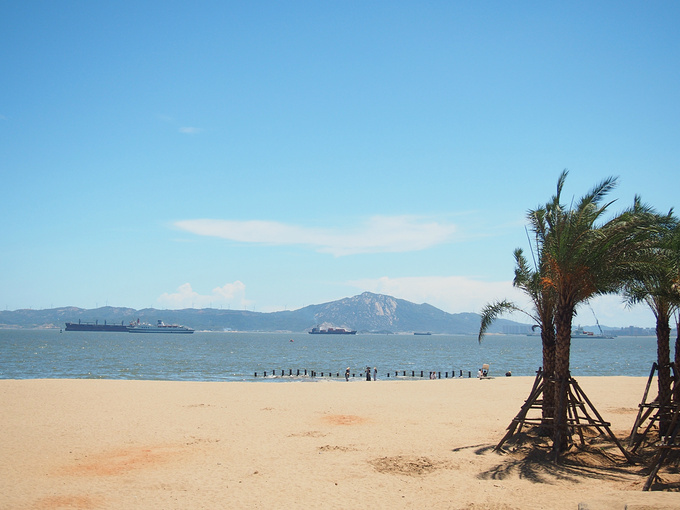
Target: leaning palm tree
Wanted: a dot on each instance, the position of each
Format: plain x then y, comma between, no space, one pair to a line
581,259
543,300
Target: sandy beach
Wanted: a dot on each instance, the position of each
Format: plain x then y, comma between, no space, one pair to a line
91,444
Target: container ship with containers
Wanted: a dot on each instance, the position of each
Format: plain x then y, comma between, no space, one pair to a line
332,331
133,327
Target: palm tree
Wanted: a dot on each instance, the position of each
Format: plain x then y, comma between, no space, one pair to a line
543,301
657,287
674,248
581,259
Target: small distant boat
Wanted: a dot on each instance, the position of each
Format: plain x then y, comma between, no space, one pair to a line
581,333
160,327
332,331
575,333
422,333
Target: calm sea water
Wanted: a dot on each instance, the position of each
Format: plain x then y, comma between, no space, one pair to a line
32,354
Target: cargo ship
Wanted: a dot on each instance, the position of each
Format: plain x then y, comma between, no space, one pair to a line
332,331
133,327
160,327
95,326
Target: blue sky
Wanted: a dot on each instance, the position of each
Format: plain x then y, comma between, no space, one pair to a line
272,155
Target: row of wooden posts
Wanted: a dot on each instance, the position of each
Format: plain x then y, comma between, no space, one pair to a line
312,373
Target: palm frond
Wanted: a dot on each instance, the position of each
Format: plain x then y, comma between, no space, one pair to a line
492,311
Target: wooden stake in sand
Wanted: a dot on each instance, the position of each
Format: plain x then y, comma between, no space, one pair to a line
578,415
669,443
664,409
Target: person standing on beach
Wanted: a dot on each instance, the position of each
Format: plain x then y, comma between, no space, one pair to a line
368,373
375,373
347,374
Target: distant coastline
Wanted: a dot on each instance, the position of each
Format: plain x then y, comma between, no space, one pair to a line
355,313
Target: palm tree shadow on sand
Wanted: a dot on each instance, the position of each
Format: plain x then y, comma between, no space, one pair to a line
531,459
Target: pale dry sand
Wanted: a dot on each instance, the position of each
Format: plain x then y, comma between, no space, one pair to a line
90,444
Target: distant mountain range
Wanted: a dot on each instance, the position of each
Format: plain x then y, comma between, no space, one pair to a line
366,313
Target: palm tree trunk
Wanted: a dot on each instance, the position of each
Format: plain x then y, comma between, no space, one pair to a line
563,318
676,395
548,406
663,355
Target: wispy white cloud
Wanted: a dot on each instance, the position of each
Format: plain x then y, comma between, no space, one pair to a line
188,130
378,234
229,295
